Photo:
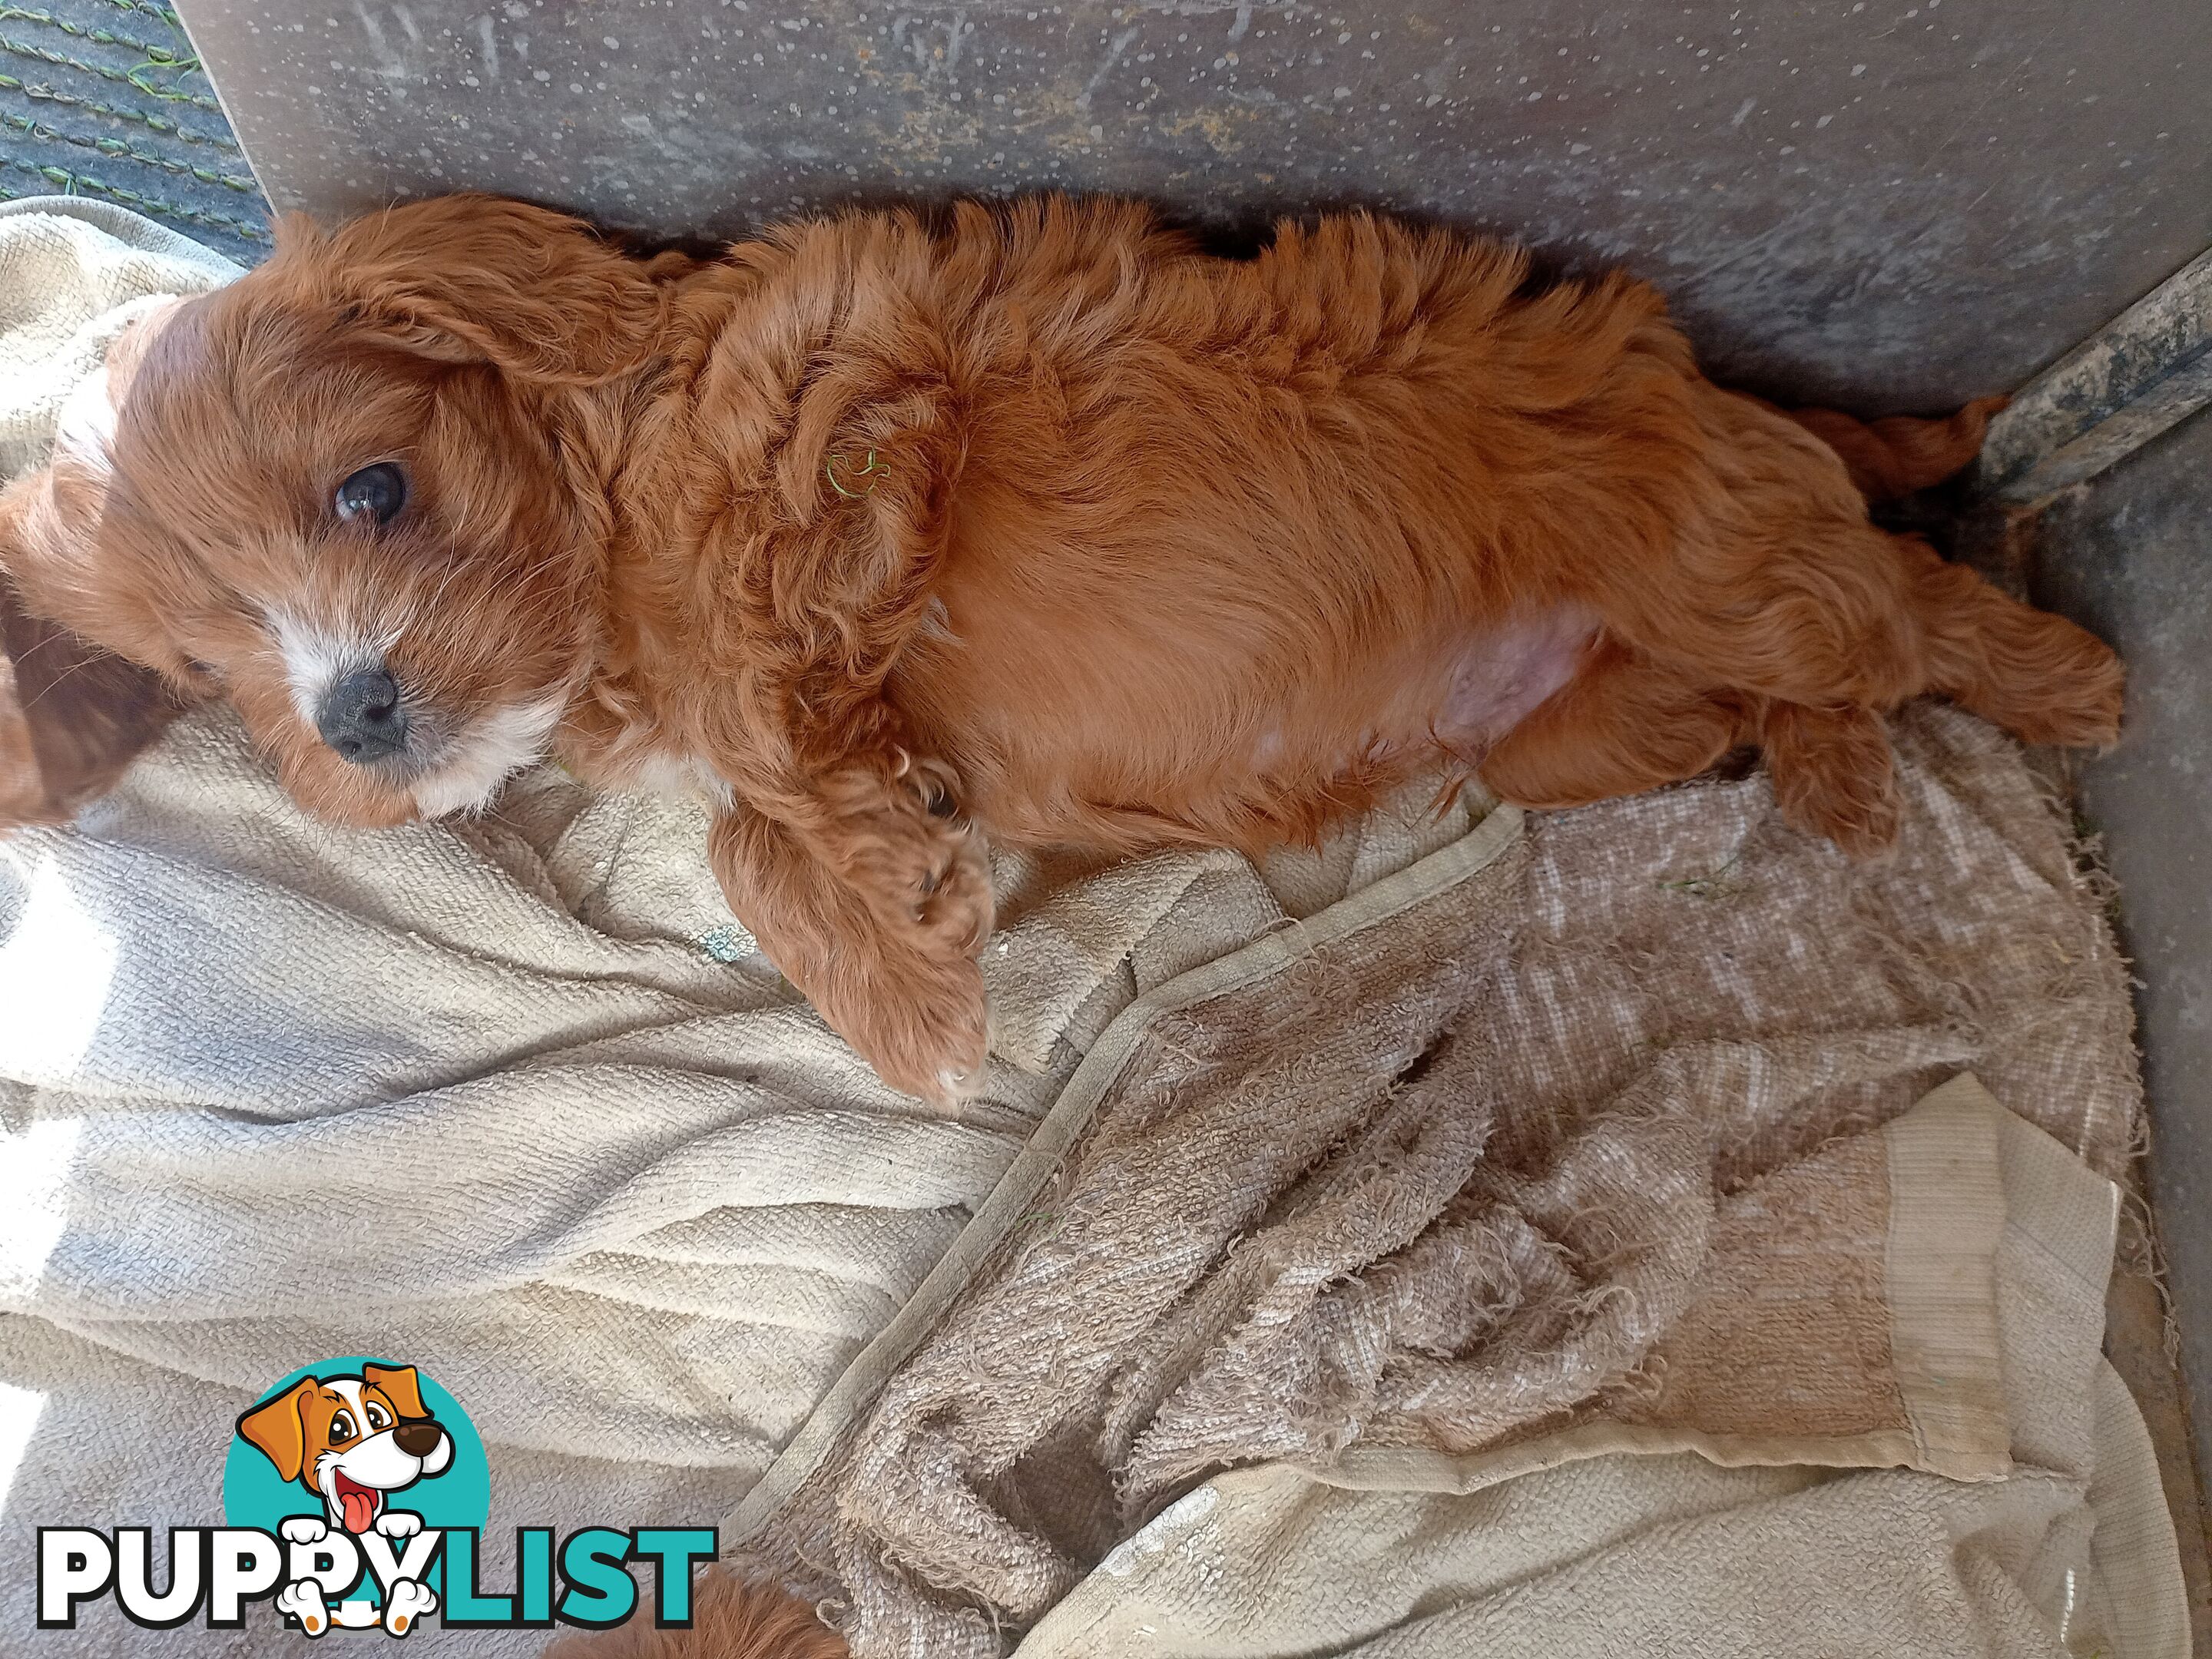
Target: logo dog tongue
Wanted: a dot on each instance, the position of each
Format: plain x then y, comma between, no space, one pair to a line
359,1503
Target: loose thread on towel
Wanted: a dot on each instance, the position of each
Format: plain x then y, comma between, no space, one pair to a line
726,944
1708,885
873,470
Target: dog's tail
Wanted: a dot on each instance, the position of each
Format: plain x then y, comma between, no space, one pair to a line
1900,453
731,1620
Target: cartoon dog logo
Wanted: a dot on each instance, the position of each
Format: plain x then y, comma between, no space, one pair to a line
352,1441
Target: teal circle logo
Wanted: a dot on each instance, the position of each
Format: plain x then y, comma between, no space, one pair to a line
370,1448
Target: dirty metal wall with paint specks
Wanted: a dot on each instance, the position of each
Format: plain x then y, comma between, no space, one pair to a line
1884,203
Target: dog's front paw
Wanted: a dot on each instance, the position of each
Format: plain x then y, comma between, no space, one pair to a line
398,1523
405,1604
922,865
953,906
303,1530
303,1599
924,1024
1834,776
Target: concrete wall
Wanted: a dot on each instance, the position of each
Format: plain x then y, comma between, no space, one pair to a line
2130,557
1882,203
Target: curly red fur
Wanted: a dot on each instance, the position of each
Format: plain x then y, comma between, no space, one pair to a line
1034,523
1898,454
731,1620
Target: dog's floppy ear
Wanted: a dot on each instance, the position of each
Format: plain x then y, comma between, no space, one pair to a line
72,716
400,1386
277,1428
476,279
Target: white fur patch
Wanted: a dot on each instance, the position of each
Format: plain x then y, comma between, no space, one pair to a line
86,421
317,658
660,773
486,754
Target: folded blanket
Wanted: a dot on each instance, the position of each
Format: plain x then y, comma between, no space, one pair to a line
2064,1548
1548,1147
514,1099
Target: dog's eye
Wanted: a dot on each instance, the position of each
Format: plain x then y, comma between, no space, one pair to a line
377,1419
375,494
341,1428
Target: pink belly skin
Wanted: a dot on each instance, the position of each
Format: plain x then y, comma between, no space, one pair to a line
1499,678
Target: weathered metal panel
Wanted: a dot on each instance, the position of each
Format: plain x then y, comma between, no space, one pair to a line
2149,369
1884,203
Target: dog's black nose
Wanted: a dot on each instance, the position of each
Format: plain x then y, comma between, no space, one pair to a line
418,1436
362,718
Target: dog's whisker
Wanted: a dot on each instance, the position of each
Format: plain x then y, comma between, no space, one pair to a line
61,679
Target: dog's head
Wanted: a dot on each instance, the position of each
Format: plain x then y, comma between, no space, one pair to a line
336,498
352,1440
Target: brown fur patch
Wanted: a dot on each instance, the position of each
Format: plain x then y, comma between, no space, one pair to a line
732,1620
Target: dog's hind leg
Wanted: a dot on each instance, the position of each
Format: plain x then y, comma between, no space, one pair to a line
2039,676
1623,725
1808,610
1834,773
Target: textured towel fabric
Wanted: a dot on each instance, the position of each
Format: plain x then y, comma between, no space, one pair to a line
1546,1147
1567,1549
73,273
487,1097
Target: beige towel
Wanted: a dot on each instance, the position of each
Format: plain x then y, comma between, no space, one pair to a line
73,273
1581,1134
1599,1541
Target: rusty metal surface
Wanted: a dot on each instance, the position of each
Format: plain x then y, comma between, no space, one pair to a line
1883,204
